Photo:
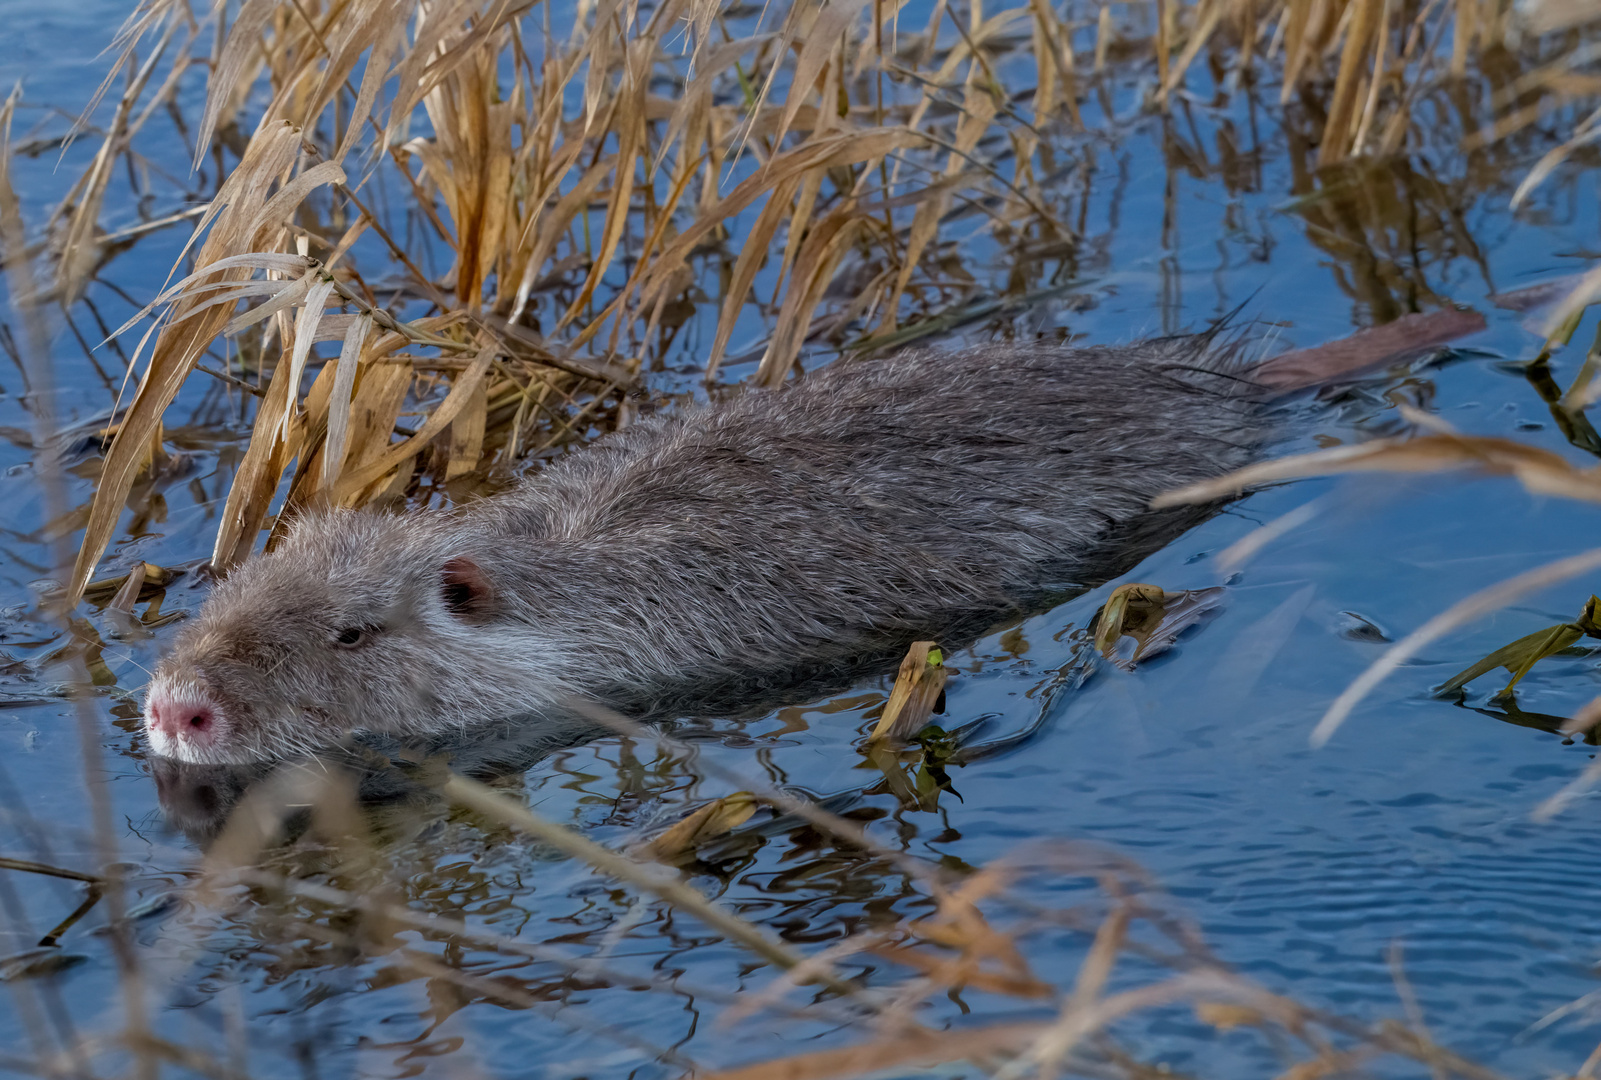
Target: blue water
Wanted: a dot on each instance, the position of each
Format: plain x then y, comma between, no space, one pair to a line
1302,867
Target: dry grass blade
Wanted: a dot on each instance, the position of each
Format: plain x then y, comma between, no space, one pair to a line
1460,614
1538,470
1097,967
1585,291
1571,793
1225,1015
751,258
1587,133
630,145
818,44
1246,547
1208,14
146,16
339,404
257,478
1585,719
380,27
462,391
128,595
1338,131
237,220
857,146
1079,1022
467,433
814,268
79,250
311,311
958,972
208,294
1583,722
244,38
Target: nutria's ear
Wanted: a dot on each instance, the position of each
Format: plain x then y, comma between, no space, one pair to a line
466,590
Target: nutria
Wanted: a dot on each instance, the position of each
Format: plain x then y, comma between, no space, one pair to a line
763,538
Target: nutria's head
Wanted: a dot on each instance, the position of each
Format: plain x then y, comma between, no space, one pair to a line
358,620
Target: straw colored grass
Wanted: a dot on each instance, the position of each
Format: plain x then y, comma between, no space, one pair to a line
586,185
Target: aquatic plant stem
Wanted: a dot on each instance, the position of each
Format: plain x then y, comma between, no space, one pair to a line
1481,603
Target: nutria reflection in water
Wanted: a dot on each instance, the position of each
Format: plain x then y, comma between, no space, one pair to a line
731,551
402,773
382,773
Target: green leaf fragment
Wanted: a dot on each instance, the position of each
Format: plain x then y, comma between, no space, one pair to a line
1520,656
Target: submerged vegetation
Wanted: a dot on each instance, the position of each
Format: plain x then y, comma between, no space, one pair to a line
435,243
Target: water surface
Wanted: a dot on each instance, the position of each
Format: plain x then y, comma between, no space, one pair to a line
1302,867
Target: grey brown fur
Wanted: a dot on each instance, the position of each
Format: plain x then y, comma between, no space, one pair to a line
870,504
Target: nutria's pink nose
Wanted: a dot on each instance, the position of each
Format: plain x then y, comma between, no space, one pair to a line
178,717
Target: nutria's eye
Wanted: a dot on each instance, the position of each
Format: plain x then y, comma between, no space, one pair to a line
351,636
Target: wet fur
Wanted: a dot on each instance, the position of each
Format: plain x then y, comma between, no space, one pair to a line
771,539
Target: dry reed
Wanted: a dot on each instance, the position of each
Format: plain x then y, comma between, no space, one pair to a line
585,188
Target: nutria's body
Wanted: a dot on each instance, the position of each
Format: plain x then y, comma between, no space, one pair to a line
872,503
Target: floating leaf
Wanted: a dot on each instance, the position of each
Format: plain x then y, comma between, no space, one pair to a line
1151,616
712,820
1520,656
